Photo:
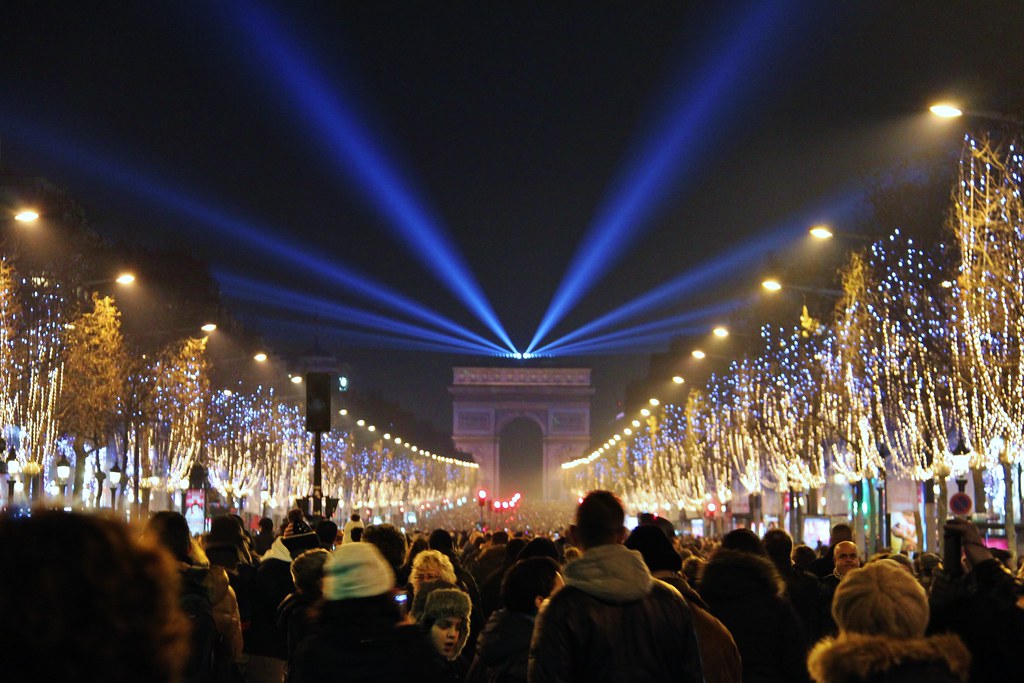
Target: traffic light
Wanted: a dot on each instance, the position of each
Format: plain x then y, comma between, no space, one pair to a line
481,497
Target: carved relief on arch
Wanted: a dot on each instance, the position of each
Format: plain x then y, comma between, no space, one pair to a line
538,417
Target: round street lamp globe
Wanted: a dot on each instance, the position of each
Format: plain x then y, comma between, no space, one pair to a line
26,216
821,232
125,279
771,285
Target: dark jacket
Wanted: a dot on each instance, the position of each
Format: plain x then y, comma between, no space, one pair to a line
858,658
718,652
982,609
747,594
614,622
271,585
360,641
804,591
295,620
503,649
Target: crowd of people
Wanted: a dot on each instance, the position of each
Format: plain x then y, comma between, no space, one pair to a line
87,598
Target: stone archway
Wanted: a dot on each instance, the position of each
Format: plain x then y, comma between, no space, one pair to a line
484,400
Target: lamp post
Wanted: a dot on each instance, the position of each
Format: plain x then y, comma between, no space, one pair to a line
115,479
13,470
63,473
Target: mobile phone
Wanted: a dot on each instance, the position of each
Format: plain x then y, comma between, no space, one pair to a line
401,599
953,547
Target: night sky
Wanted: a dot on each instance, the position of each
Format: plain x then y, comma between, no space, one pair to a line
514,129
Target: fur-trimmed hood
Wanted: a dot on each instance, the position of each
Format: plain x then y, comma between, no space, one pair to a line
855,657
732,574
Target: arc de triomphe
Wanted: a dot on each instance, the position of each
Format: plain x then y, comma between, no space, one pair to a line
485,400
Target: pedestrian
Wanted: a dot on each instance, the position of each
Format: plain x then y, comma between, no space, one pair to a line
612,621
445,619
82,600
359,634
744,591
503,648
882,613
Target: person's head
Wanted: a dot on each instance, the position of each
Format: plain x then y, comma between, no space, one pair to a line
779,546
441,540
881,599
691,568
225,529
170,530
298,536
572,553
354,517
840,532
266,525
539,547
745,541
600,520
430,565
846,557
356,535
389,541
445,618
658,553
85,585
356,570
512,550
308,571
327,533
803,556
528,583
499,537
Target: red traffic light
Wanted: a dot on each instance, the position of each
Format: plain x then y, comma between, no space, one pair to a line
482,494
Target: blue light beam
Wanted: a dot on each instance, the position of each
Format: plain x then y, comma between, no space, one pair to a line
251,290
662,160
670,326
837,204
157,191
322,104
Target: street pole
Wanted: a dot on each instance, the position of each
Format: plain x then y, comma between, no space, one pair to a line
317,474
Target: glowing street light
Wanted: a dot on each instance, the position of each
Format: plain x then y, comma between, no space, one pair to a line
125,279
772,285
698,354
296,379
946,111
720,332
209,327
26,216
260,357
821,232
678,380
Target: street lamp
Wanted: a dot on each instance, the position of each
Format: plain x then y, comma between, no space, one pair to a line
945,110
772,285
209,327
125,279
821,232
63,473
260,357
115,479
721,332
13,470
26,216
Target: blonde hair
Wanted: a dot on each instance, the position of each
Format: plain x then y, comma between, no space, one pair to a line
433,559
881,599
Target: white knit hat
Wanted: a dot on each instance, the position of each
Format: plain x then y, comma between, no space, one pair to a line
357,570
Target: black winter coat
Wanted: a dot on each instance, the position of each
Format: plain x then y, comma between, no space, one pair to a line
747,595
272,584
503,649
360,641
614,622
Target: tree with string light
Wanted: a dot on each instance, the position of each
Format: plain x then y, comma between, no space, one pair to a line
988,337
93,378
